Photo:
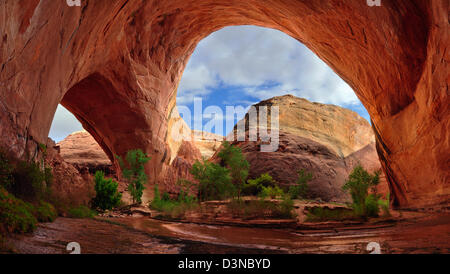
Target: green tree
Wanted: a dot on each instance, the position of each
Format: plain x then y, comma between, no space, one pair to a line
358,184
255,186
233,158
215,182
134,172
300,189
107,195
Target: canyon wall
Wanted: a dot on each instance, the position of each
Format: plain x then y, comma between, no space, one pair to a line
116,66
325,140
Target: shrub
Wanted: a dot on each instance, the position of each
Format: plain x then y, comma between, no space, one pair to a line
45,212
300,189
15,215
107,196
371,205
80,212
30,183
173,208
134,172
254,187
358,185
272,192
286,206
254,209
214,181
233,158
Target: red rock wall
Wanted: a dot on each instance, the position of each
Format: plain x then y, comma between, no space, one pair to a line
116,65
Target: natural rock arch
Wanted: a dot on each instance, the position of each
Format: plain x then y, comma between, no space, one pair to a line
134,52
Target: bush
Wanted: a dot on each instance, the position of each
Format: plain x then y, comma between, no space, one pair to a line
371,206
272,192
286,206
300,189
173,208
45,212
214,181
134,172
107,196
30,183
358,185
254,187
233,159
257,209
16,216
80,212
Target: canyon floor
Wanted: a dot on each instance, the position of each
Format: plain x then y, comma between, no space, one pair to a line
414,233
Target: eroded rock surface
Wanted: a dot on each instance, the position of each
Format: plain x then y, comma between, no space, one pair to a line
69,187
116,66
313,137
83,152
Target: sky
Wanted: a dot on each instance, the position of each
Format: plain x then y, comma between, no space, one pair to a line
240,66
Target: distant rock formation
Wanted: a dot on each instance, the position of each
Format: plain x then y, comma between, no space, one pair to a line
82,151
327,140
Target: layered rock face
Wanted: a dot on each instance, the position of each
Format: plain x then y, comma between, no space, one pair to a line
116,66
69,186
341,130
313,137
208,143
83,152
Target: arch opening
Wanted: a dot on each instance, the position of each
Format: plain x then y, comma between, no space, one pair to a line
142,49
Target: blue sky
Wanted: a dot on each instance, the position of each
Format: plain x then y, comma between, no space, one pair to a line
243,65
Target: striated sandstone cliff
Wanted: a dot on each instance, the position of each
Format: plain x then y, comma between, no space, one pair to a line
313,137
116,66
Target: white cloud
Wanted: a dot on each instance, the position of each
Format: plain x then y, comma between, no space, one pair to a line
262,62
266,63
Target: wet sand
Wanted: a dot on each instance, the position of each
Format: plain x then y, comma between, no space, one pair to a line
429,234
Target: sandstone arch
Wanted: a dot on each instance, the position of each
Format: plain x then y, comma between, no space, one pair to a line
394,56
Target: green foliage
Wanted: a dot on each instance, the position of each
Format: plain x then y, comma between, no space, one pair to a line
358,184
384,204
107,196
286,206
45,212
272,192
254,187
320,214
134,172
261,209
80,212
371,205
16,216
173,208
215,182
30,183
233,159
300,189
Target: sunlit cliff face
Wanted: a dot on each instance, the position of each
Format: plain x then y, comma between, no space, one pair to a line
112,63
